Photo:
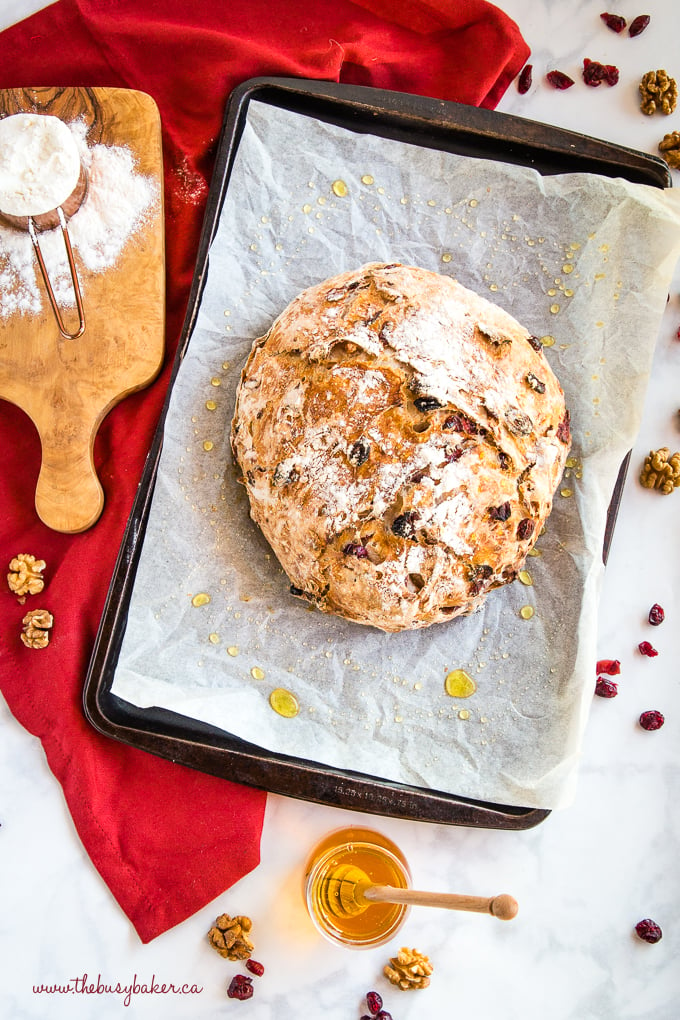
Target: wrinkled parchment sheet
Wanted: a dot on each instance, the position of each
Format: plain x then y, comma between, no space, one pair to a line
577,258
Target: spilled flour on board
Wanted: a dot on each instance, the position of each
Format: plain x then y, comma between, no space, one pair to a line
118,202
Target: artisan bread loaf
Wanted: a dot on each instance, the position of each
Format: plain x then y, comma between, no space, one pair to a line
400,439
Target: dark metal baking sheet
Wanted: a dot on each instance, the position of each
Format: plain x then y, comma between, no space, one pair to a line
433,124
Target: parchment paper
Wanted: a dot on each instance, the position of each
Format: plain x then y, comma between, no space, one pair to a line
580,259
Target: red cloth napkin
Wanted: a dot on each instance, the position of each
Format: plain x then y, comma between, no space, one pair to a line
167,839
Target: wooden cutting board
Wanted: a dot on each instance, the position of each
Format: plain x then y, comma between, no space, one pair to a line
68,386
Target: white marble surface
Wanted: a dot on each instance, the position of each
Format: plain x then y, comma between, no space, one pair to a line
582,878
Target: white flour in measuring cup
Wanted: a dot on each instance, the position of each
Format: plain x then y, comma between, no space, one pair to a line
118,202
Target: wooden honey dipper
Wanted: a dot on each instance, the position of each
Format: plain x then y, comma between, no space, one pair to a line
349,891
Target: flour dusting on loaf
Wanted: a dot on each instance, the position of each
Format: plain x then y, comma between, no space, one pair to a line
400,439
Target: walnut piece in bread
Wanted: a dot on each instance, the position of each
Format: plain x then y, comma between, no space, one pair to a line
400,439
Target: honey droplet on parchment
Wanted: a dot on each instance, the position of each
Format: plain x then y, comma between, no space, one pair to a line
284,703
233,651
368,179
200,599
339,188
458,684
257,673
525,577
526,612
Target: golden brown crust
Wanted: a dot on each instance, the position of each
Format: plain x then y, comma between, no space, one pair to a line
400,439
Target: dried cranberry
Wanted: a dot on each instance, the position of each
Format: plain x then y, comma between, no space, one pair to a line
652,720
656,615
500,513
614,21
452,454
638,25
460,423
646,649
358,452
525,528
563,429
535,343
404,524
559,80
595,73
612,667
606,688
356,549
524,80
241,987
254,967
427,404
535,383
374,1002
649,931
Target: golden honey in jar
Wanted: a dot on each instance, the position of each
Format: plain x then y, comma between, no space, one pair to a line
344,860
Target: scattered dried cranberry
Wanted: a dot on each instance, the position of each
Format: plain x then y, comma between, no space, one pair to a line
652,720
638,25
374,1002
656,615
525,528
606,688
646,649
594,73
559,80
612,667
356,549
614,21
649,931
524,80
241,987
254,967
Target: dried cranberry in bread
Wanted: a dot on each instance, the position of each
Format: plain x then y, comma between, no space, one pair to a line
400,439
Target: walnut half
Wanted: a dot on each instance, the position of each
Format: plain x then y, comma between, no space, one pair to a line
658,91
408,969
661,470
25,575
36,628
669,147
229,937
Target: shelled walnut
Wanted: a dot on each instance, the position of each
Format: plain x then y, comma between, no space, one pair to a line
658,91
669,146
25,575
229,936
408,969
36,628
661,471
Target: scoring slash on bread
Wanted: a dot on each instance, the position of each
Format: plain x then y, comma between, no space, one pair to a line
400,439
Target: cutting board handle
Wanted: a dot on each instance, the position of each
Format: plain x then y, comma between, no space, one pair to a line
69,497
